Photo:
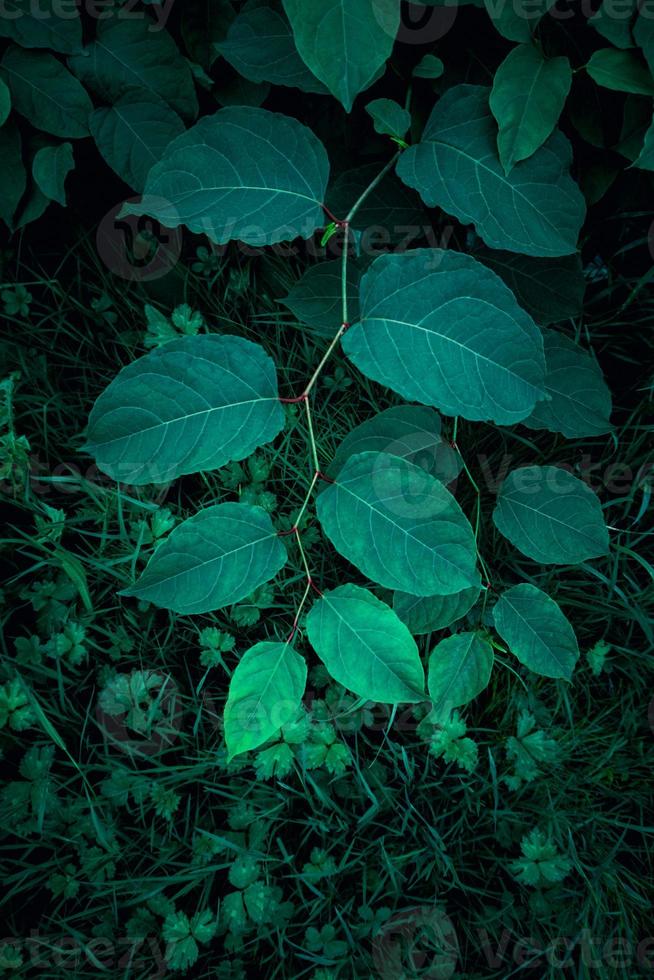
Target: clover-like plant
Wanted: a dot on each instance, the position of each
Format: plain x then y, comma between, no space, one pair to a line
439,327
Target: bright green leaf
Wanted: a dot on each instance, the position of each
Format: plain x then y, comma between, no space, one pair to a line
399,526
527,98
241,173
365,647
50,167
212,560
551,516
193,404
264,693
580,402
536,631
133,136
441,329
46,93
459,669
536,210
424,614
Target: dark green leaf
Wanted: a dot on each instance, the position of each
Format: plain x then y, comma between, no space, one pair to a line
536,631
390,214
613,21
517,20
459,669
424,614
50,167
204,24
389,117
5,102
12,173
316,299
399,526
46,93
429,67
193,404
40,25
365,647
548,289
622,71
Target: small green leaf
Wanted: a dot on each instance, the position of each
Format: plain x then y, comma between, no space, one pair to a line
459,669
425,614
551,516
46,93
429,67
212,560
344,42
399,526
193,404
536,631
536,210
50,167
389,118
365,647
317,298
240,173
527,98
411,432
622,71
416,336
264,694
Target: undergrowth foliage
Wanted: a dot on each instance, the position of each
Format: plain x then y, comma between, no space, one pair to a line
328,628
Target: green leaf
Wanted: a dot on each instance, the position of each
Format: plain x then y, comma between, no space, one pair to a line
193,404
133,136
391,213
46,93
424,614
13,176
645,159
50,167
365,647
212,560
459,669
429,67
580,402
548,289
128,57
409,431
644,34
527,98
205,24
536,631
264,693
389,118
241,173
551,516
517,20
316,299
260,46
622,71
5,102
536,210
613,22
344,42
399,526
41,25
441,329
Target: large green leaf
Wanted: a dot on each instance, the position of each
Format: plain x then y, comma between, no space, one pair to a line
45,92
128,57
551,516
424,614
212,560
441,329
344,42
241,173
580,402
622,71
132,136
41,25
50,167
527,98
260,46
536,210
365,647
317,298
399,526
536,631
193,404
459,669
615,24
548,289
13,176
264,693
412,432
